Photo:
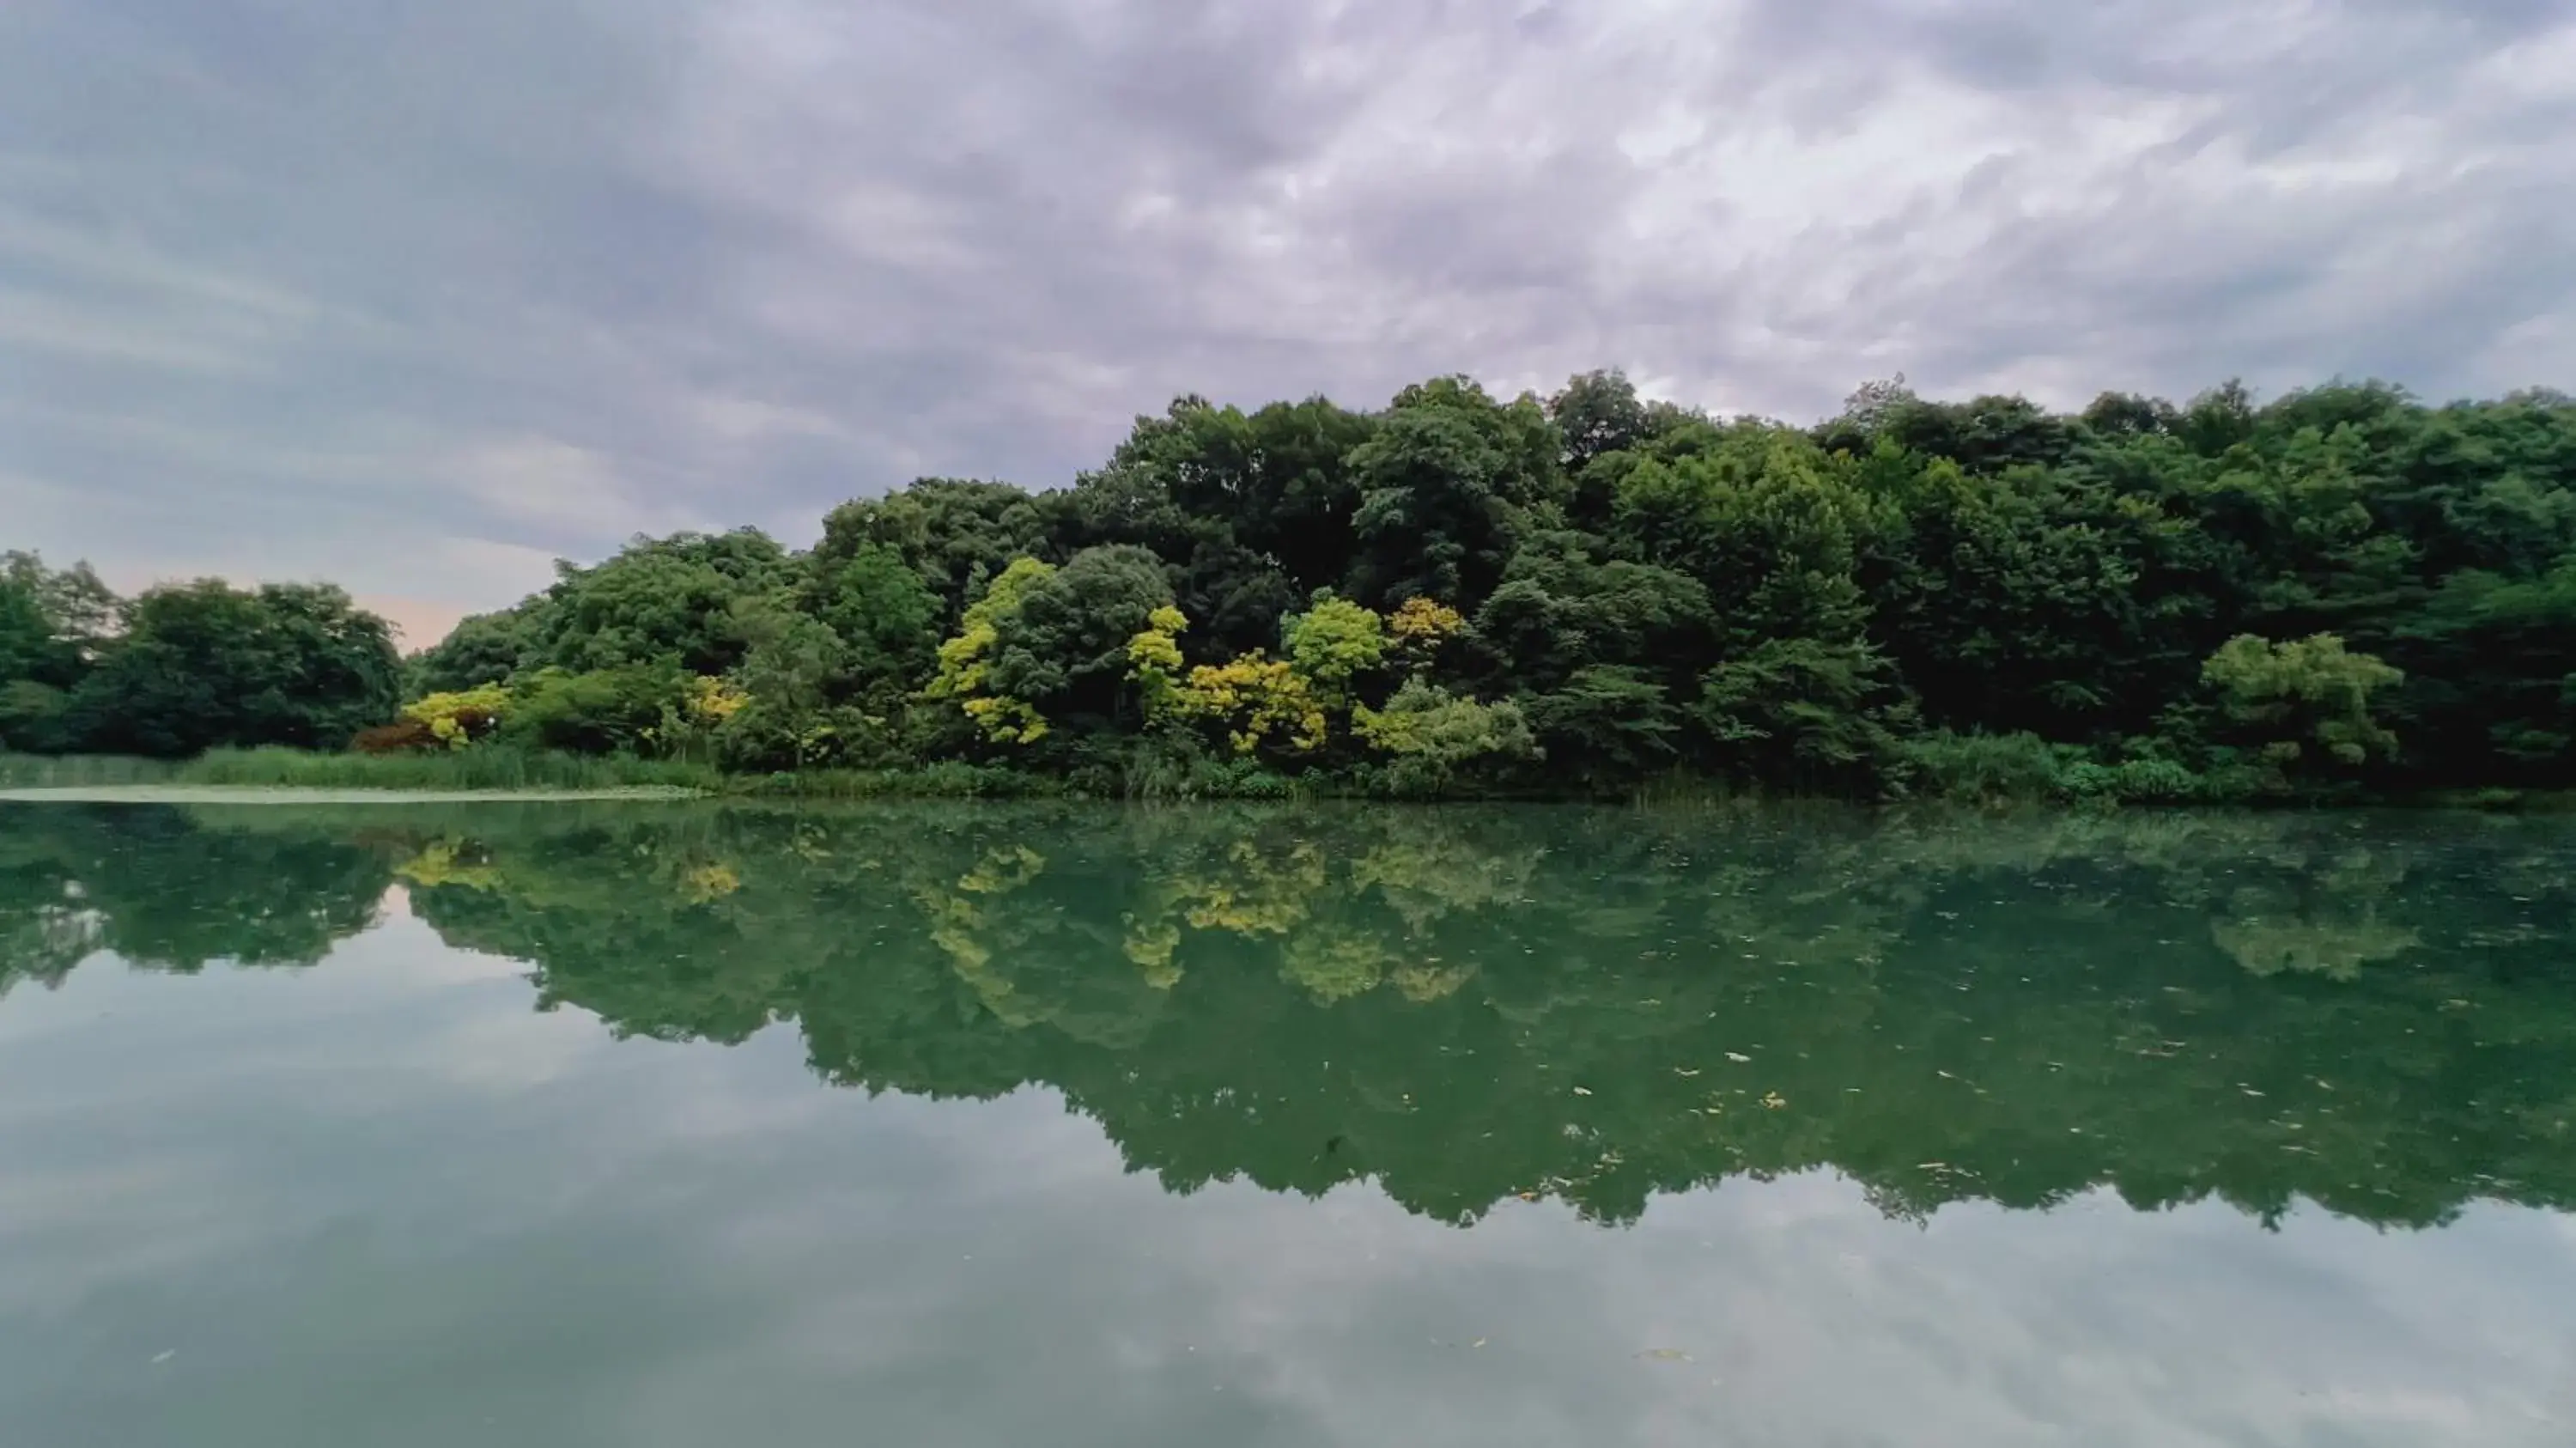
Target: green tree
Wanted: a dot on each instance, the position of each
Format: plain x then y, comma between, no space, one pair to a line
30,649
1435,741
79,609
661,599
885,617
966,660
1448,483
53,625
201,665
1335,643
958,535
1064,647
601,711
2305,694
483,648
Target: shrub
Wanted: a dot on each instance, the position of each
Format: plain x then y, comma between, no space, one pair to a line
1988,768
407,736
605,711
1436,740
458,719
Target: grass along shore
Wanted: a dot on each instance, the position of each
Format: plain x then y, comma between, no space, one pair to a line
486,771
1987,774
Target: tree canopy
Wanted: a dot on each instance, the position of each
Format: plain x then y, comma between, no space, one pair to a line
2340,588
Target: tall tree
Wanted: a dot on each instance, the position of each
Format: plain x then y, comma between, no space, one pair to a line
201,665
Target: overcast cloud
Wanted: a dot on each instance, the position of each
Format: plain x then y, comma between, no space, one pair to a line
420,294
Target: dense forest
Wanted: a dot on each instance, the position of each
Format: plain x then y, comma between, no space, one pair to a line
2255,1007
2342,589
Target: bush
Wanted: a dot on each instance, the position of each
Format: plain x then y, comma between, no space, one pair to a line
461,718
34,718
409,736
1988,768
605,711
1436,741
2134,781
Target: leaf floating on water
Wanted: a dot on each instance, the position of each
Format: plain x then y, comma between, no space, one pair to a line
1665,1355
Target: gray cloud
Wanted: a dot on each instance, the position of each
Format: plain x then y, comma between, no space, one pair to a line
418,295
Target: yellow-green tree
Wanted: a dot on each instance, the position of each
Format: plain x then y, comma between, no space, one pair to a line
2307,692
966,661
1334,643
1154,660
1260,701
1418,627
458,719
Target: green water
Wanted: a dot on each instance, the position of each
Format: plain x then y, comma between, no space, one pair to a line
657,1125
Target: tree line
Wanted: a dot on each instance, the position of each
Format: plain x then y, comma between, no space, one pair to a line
2342,588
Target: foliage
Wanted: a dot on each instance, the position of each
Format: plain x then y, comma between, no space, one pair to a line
1154,660
402,736
2305,692
53,622
1987,768
1864,607
1260,702
966,660
1335,643
1607,718
1418,627
455,720
481,648
884,619
36,718
1435,739
603,711
1063,647
957,536
660,601
205,665
1445,482
1803,710
489,767
31,649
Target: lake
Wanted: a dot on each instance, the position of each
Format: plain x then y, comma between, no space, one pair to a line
685,1124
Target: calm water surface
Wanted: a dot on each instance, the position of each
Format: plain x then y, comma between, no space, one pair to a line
682,1125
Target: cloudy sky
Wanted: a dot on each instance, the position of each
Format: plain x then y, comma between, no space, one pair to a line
421,294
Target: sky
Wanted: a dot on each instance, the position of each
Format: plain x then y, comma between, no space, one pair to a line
421,295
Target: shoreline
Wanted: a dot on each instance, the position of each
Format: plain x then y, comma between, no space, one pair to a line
894,791
296,794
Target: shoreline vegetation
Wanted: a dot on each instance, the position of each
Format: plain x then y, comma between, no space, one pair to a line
2343,595
283,776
